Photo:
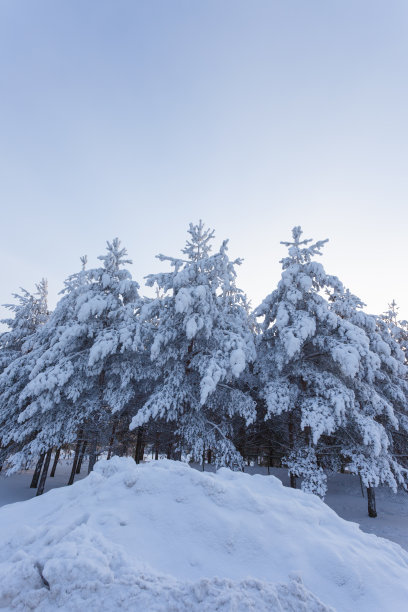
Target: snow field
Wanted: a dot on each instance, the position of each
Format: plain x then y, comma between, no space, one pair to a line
163,536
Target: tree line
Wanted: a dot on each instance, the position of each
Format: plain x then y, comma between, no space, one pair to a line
307,379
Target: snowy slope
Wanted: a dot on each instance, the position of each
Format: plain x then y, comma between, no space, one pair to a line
163,536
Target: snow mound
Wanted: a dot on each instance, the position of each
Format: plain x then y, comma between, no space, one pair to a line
163,536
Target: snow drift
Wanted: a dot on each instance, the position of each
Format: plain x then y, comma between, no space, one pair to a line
163,536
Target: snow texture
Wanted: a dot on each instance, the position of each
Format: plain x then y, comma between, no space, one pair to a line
201,344
336,371
163,536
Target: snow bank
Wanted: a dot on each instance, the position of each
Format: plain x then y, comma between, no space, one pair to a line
163,536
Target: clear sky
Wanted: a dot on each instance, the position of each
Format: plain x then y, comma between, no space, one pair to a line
131,118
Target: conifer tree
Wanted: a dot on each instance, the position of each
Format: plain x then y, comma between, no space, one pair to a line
397,328
30,312
84,367
201,343
16,355
320,367
377,441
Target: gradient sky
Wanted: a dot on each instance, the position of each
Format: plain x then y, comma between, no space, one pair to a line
132,118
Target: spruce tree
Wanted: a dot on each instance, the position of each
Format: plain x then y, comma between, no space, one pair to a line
376,444
201,343
16,358
322,368
84,368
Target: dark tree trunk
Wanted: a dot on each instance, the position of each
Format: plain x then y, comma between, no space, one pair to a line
81,457
204,459
291,445
76,456
44,473
111,441
156,452
291,432
209,456
361,486
37,472
54,465
372,511
92,454
177,455
139,451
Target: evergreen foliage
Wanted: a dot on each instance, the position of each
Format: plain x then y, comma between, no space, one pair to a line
332,371
80,370
316,385
201,342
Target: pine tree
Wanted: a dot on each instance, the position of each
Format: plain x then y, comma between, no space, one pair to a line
396,327
377,441
201,343
85,367
319,356
16,356
30,312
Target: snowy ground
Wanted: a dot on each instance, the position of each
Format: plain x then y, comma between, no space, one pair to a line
344,497
16,488
162,536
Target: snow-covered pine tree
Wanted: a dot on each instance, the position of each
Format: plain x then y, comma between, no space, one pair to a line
85,367
30,313
397,328
201,343
380,387
317,365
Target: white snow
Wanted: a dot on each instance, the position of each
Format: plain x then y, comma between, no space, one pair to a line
183,300
191,328
237,361
163,536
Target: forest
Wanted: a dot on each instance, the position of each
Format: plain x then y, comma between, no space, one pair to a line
306,380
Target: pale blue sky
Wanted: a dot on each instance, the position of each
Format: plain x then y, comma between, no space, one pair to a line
132,118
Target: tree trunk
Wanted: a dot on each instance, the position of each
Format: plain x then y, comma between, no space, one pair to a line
76,456
111,441
361,485
156,452
92,454
204,459
81,457
209,456
291,445
37,472
54,465
123,449
372,511
44,473
139,446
